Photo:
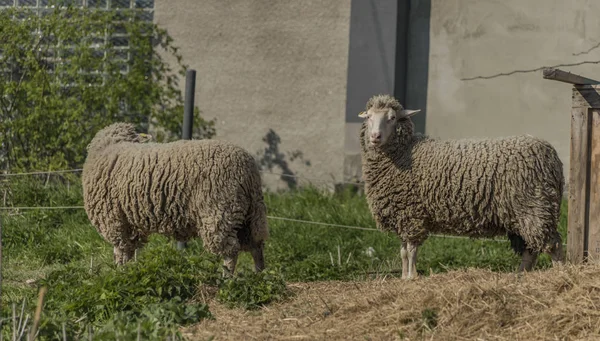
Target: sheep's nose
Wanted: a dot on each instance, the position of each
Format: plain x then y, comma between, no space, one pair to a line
376,136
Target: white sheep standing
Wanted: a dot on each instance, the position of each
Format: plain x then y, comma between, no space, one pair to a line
416,185
183,189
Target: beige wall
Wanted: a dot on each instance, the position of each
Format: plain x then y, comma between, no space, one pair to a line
264,64
480,38
282,65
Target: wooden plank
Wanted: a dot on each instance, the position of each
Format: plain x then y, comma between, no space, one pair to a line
567,77
593,239
577,185
586,96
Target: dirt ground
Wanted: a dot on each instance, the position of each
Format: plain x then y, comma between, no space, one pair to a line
556,304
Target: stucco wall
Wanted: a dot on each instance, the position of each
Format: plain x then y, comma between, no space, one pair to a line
263,65
283,65
471,38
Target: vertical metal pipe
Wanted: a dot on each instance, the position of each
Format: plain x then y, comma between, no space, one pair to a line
188,117
188,109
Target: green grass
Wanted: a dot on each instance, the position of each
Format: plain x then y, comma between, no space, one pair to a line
160,291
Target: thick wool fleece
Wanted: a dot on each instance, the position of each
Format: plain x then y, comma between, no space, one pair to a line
417,185
184,189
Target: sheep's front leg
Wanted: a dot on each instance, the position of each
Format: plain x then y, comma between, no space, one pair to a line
259,257
411,249
404,255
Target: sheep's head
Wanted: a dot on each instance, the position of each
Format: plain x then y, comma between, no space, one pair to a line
383,112
116,133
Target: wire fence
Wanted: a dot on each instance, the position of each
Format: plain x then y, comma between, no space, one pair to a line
299,221
77,170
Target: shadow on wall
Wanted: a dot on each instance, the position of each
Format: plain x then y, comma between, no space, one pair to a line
412,58
271,157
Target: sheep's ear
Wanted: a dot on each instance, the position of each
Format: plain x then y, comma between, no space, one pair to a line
145,137
406,113
362,114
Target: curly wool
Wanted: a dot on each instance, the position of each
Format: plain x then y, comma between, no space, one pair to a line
416,185
182,189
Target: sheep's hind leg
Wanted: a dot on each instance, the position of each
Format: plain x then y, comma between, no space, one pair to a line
557,255
123,254
528,260
404,256
229,263
412,260
555,250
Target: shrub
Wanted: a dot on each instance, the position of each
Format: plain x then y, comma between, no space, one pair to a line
57,69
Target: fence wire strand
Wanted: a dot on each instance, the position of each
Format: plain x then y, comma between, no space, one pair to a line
300,221
42,172
330,182
269,217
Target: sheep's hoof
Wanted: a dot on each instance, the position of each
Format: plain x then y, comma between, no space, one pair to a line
410,277
227,273
181,245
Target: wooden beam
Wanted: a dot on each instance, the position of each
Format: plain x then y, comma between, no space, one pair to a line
586,96
567,77
578,178
593,233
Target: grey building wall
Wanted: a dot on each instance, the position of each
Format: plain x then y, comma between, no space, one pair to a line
273,74
471,38
296,73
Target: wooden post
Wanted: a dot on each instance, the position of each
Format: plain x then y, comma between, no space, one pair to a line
585,195
593,233
583,223
578,184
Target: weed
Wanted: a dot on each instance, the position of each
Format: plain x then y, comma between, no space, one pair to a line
252,290
429,317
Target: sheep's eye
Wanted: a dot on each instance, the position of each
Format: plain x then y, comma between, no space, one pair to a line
391,118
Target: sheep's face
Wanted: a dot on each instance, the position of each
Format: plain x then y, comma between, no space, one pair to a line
381,124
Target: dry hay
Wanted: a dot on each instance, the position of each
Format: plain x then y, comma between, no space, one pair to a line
474,304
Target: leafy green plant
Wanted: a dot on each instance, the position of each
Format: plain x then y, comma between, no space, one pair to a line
252,290
65,69
155,321
430,318
159,274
